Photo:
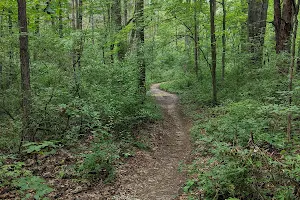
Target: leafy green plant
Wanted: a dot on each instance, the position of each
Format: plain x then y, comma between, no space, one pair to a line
99,163
189,184
33,184
44,148
16,176
9,172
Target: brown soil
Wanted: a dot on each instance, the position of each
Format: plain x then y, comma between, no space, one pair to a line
156,174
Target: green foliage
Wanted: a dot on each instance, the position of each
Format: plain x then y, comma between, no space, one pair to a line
35,184
14,175
99,163
9,172
238,166
44,148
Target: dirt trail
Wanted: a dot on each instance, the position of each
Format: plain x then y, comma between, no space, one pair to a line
156,175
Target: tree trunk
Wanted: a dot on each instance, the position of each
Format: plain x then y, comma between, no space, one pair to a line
125,12
292,66
196,41
283,22
60,19
78,47
212,5
25,71
80,15
92,21
117,26
223,40
37,29
73,14
257,16
244,34
10,53
140,33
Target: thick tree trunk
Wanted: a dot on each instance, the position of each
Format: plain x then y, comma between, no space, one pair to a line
283,22
257,16
212,5
117,26
25,71
140,33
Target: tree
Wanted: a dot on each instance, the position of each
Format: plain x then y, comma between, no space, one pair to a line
212,6
140,34
196,39
78,43
223,39
257,16
283,22
243,28
292,66
117,27
25,70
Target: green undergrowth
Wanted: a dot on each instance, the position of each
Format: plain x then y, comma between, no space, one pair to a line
98,122
240,145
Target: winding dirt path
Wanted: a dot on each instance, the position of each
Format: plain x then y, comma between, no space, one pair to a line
155,175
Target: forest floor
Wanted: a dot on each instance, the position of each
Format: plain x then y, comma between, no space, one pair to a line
156,174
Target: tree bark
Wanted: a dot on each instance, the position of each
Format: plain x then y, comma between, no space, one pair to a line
73,14
283,22
223,39
212,6
92,21
257,16
292,66
125,12
117,26
80,15
78,46
196,41
244,34
25,71
60,19
11,52
140,33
